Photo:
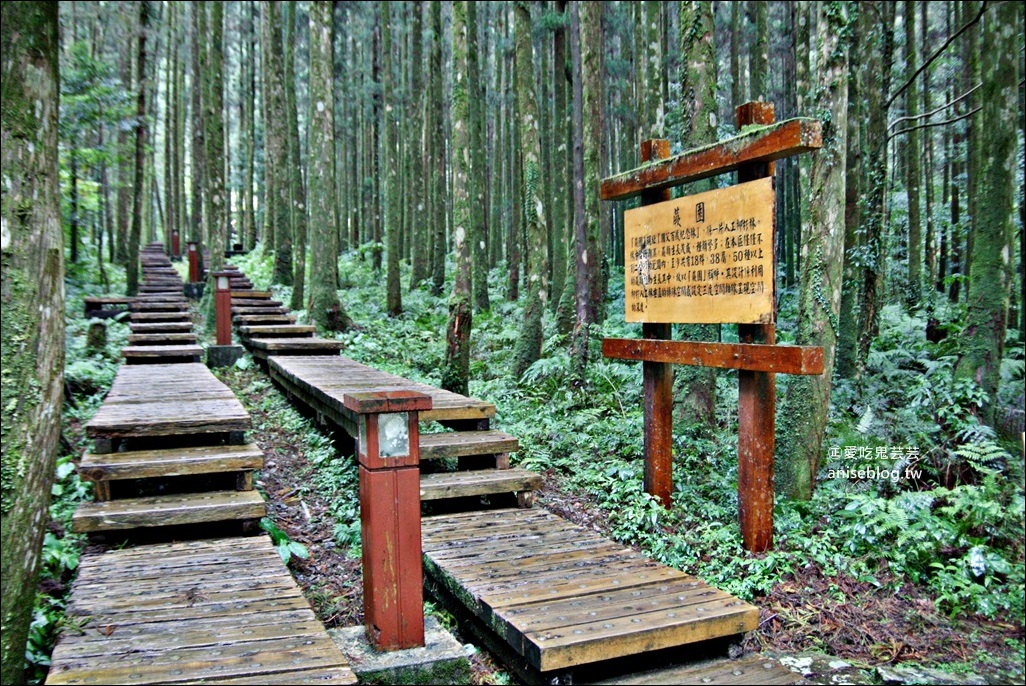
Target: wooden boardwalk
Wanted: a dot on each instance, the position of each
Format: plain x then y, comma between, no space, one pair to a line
169,458
562,596
212,611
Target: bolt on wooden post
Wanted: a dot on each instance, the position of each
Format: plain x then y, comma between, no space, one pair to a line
389,457
223,307
708,259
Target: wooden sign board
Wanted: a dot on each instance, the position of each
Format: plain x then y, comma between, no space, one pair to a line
702,259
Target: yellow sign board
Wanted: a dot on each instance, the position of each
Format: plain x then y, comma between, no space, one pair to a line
702,259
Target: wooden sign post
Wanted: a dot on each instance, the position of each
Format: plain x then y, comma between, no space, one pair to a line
708,258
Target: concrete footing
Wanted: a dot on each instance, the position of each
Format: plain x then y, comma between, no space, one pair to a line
440,661
223,355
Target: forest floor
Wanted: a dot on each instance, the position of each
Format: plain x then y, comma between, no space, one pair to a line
809,613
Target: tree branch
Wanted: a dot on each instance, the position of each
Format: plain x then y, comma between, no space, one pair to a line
936,123
935,55
942,107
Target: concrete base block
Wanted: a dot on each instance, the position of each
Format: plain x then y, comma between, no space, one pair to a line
223,355
440,661
194,290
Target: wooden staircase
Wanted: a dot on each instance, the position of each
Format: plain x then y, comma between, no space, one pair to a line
159,315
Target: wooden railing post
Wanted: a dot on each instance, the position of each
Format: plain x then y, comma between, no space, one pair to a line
389,456
658,376
223,307
757,395
176,244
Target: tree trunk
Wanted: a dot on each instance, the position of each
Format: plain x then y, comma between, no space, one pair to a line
276,142
737,91
32,289
297,191
456,367
807,401
478,225
124,148
135,233
698,123
436,107
213,119
325,308
990,257
913,170
758,57
390,160
198,149
417,130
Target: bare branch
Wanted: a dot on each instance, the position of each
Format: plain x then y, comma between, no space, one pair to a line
936,123
942,107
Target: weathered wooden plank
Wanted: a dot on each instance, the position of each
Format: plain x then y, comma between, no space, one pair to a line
463,443
279,330
162,338
758,145
482,482
192,508
786,359
284,345
174,462
261,295
329,675
749,669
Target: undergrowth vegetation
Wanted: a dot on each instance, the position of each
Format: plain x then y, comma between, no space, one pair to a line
913,490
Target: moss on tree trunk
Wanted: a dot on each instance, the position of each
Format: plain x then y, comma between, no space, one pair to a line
32,310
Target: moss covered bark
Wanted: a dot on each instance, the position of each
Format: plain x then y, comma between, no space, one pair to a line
275,140
528,346
32,292
990,257
456,367
803,414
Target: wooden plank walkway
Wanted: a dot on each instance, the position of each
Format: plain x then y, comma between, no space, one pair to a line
561,595
213,611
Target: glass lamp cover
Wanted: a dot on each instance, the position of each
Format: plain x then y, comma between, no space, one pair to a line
394,434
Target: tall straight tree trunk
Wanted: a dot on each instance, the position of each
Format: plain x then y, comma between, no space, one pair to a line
124,146
436,107
529,343
847,338
737,90
758,57
33,309
586,51
170,126
325,308
654,71
297,191
417,131
198,149
913,169
390,159
135,233
698,122
807,401
878,40
563,260
929,238
213,119
477,178
247,100
990,267
456,367
276,142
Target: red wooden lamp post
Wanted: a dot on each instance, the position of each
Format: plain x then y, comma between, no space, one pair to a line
389,456
223,306
194,262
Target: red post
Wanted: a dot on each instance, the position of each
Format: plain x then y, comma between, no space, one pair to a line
658,376
223,307
176,244
757,401
389,456
194,262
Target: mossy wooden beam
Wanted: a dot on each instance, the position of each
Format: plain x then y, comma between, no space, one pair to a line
756,145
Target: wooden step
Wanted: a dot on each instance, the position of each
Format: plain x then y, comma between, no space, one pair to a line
158,306
478,482
243,319
254,302
295,346
466,443
166,510
161,338
286,330
256,295
161,327
560,595
258,310
748,669
161,317
157,354
146,464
